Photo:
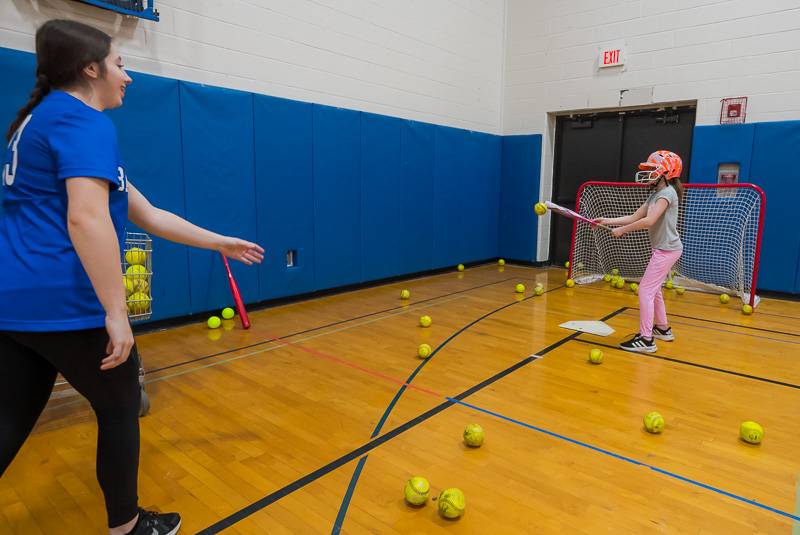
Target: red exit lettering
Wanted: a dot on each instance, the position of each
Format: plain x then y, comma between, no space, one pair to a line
610,57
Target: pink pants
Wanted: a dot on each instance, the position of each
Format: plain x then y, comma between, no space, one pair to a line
650,299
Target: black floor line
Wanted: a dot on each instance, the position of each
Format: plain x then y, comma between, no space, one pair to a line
694,364
739,325
326,326
786,298
256,506
340,517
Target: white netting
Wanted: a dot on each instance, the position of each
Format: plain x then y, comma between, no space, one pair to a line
719,225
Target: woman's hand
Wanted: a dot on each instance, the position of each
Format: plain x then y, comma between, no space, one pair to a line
120,341
618,232
241,250
603,221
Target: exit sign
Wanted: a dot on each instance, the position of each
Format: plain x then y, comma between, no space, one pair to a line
611,57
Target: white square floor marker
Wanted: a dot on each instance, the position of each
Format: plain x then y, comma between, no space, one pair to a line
600,328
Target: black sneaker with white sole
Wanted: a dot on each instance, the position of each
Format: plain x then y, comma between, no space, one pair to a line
152,523
639,345
663,334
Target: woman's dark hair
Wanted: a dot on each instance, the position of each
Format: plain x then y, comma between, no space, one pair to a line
63,49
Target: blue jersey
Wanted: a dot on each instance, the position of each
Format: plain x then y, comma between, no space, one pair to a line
43,286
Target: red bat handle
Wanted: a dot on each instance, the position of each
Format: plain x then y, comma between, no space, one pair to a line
237,297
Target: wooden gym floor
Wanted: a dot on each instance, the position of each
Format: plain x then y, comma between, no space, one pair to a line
270,430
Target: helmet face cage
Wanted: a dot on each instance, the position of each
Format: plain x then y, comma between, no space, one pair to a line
648,177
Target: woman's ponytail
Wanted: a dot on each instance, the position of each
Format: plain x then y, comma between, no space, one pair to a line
40,90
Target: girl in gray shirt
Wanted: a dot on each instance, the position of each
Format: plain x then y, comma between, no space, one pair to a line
659,215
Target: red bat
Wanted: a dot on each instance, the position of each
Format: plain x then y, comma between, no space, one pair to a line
237,297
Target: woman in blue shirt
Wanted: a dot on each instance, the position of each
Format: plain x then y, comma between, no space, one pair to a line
66,202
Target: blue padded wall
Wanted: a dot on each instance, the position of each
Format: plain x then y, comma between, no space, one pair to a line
337,197
149,133
217,132
416,196
397,185
284,194
773,167
519,191
382,220
465,196
712,145
148,129
19,75
358,196
764,152
362,196
18,70
485,159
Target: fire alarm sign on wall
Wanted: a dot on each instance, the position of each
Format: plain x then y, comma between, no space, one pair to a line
734,110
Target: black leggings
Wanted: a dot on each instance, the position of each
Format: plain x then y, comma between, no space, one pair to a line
28,366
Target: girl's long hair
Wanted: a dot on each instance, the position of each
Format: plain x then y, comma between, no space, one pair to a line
676,183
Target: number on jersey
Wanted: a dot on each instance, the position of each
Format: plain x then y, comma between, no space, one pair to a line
12,157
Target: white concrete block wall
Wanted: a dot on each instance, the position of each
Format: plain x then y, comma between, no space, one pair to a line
439,61
685,50
677,51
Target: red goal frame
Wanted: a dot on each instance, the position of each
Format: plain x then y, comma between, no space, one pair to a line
688,187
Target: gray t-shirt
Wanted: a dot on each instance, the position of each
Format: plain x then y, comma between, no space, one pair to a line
664,232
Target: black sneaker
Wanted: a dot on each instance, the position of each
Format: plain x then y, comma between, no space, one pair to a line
639,345
152,523
663,334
